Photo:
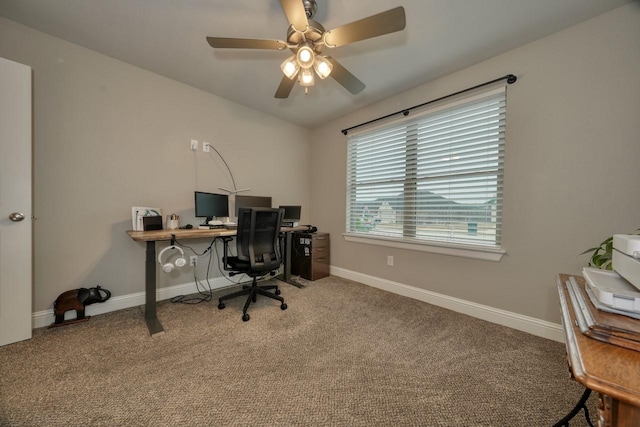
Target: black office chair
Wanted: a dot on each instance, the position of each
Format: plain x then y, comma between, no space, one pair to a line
258,254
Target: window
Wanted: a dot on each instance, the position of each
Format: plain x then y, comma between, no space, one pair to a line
431,179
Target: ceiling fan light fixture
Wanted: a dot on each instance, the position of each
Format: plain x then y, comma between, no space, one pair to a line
322,66
308,39
306,77
290,67
305,57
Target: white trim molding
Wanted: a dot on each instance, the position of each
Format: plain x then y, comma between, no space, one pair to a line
509,319
476,252
46,317
531,325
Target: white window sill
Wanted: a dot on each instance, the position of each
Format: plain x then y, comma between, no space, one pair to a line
475,252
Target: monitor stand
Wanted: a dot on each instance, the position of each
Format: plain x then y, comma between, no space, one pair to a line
211,222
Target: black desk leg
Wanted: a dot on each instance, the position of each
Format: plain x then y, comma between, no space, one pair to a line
287,256
582,404
286,276
154,325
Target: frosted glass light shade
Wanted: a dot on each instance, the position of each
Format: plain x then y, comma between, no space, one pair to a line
306,77
305,57
322,66
290,67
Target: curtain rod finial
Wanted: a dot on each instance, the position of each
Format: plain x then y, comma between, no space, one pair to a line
344,131
511,78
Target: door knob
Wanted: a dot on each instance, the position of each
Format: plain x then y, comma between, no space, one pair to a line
16,216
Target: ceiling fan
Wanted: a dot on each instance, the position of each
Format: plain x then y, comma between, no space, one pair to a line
307,39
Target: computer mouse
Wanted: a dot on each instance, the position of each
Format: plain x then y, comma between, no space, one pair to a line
188,226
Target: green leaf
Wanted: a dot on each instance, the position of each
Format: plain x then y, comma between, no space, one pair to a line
588,250
602,256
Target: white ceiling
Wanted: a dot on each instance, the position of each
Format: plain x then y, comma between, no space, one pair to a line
168,38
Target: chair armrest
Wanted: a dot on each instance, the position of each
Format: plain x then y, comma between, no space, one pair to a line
282,239
225,241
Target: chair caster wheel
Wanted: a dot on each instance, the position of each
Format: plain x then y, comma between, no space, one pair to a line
278,292
245,317
283,306
221,306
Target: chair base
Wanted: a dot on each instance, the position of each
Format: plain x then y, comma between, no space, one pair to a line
252,293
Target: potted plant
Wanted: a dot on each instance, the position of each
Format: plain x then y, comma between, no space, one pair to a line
602,255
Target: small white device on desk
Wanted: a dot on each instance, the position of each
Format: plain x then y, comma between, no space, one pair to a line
618,291
626,257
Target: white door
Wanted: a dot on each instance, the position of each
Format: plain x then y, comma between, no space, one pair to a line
15,202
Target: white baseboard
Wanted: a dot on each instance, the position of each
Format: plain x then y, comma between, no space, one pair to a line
541,328
46,317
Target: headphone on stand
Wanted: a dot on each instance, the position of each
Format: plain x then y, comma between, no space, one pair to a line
169,266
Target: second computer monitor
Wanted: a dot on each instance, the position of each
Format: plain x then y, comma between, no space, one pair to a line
291,213
252,202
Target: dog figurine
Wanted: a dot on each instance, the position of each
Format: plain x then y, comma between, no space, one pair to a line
78,299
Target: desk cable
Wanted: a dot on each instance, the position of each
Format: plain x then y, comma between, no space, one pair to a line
206,295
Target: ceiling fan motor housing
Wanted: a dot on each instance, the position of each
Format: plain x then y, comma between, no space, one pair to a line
313,35
310,7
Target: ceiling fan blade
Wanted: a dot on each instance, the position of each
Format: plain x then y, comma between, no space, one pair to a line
286,84
233,43
375,25
345,78
297,16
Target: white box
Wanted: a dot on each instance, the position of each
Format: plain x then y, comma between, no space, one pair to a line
138,212
612,290
626,257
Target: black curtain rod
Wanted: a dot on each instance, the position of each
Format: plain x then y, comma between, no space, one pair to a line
509,77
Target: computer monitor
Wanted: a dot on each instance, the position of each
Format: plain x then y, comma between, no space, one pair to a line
243,201
291,213
211,205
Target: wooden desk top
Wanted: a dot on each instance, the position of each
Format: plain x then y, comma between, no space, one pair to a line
194,233
599,366
181,233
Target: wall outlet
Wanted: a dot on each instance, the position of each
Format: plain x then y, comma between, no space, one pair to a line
206,147
194,145
193,260
390,260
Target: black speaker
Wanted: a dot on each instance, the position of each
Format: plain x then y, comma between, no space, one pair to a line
152,223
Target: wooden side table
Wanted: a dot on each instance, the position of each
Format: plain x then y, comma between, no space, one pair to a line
610,370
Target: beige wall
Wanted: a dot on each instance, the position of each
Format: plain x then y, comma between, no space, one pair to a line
109,136
571,176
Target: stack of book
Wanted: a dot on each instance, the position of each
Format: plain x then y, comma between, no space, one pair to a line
607,306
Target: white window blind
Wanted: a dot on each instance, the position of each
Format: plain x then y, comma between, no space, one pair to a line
434,178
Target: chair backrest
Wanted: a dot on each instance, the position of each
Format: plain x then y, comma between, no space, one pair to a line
258,238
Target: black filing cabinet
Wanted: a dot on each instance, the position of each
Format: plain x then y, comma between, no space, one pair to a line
310,255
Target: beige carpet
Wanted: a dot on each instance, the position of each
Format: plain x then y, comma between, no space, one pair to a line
342,354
